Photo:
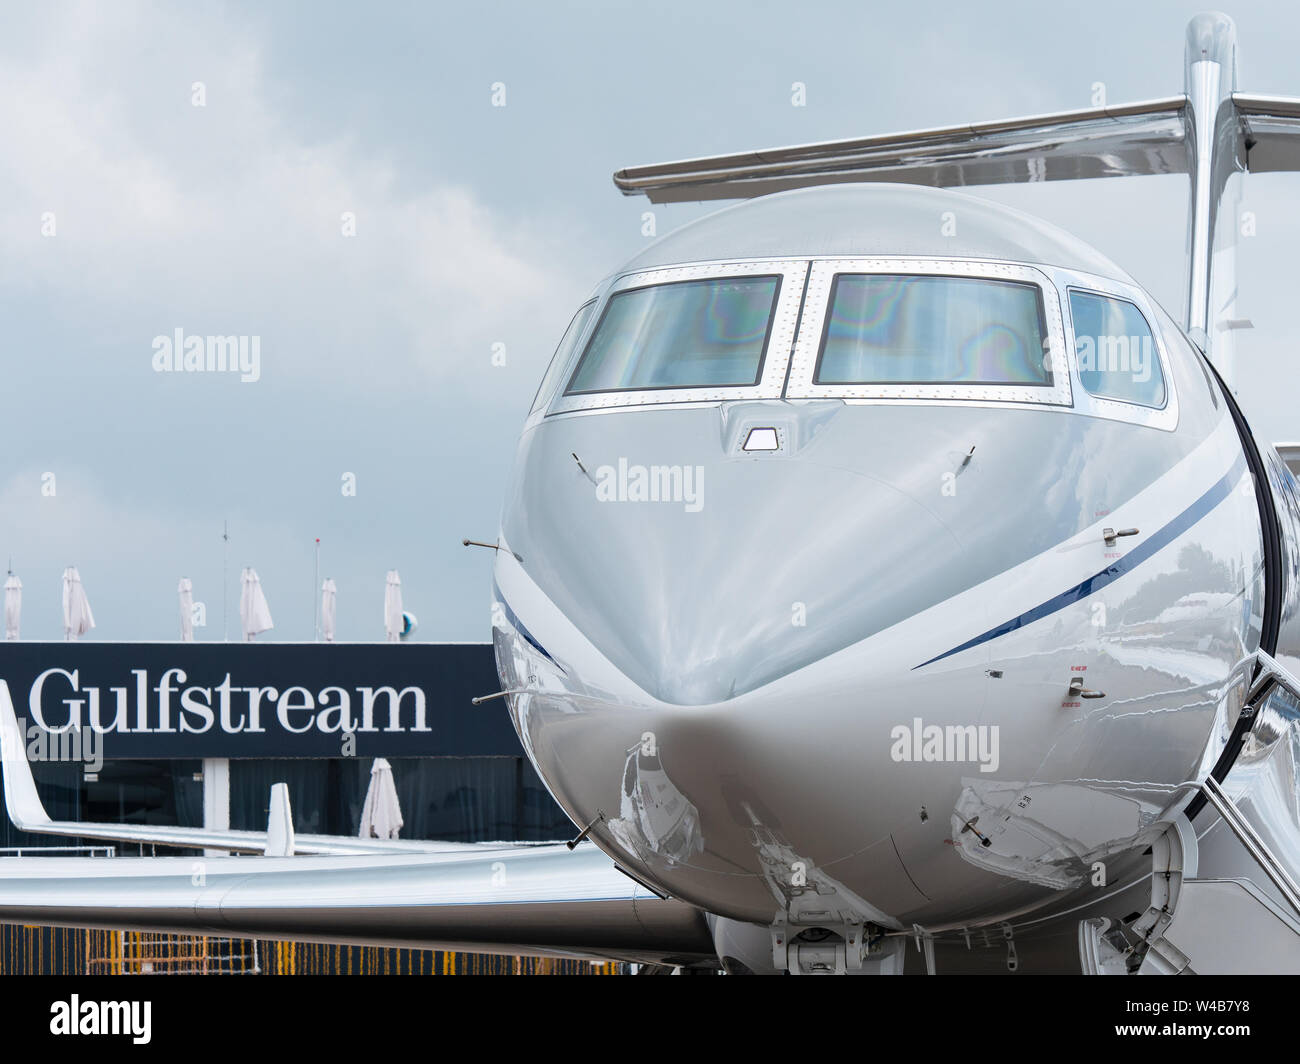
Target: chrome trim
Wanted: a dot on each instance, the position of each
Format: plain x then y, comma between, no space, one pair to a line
1067,393
1216,150
816,306
776,357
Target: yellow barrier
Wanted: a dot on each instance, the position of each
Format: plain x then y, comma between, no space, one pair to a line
31,950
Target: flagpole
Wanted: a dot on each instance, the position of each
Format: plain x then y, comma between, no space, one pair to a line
316,593
225,591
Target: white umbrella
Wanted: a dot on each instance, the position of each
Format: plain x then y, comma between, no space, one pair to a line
254,613
381,816
186,590
327,609
77,618
13,605
393,622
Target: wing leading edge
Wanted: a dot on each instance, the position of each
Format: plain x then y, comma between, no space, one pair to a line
1151,137
542,899
538,900
1139,138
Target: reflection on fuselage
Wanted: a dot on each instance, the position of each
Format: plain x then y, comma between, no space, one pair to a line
727,676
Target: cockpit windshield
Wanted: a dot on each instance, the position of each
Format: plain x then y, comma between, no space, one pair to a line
901,329
561,357
705,333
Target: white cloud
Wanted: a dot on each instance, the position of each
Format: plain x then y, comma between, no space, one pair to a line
224,218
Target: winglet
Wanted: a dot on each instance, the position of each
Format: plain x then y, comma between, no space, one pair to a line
22,802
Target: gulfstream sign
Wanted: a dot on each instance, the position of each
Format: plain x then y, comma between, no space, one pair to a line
174,705
241,700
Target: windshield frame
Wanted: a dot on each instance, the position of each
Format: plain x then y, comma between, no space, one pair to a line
557,369
776,353
1165,417
812,334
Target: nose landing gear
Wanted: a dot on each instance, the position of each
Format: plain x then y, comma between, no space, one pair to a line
842,949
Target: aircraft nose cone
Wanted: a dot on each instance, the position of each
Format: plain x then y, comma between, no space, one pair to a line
703,575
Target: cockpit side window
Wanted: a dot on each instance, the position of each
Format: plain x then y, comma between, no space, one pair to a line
561,357
1117,353
705,333
894,329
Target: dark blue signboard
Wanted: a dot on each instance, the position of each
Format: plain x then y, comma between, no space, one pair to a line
168,700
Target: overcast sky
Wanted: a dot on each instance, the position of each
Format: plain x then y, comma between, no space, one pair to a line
475,226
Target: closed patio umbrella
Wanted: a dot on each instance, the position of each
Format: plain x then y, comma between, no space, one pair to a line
328,606
393,622
381,816
13,605
77,618
186,592
254,613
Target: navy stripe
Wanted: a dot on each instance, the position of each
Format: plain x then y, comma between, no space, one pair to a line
1126,564
519,627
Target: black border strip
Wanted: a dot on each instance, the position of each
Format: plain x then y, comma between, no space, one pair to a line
1274,574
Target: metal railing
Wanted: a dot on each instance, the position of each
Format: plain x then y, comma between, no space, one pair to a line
157,953
1250,839
1271,676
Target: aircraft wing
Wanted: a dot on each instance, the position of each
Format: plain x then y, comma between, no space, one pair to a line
1272,128
1129,140
510,898
1137,138
539,900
